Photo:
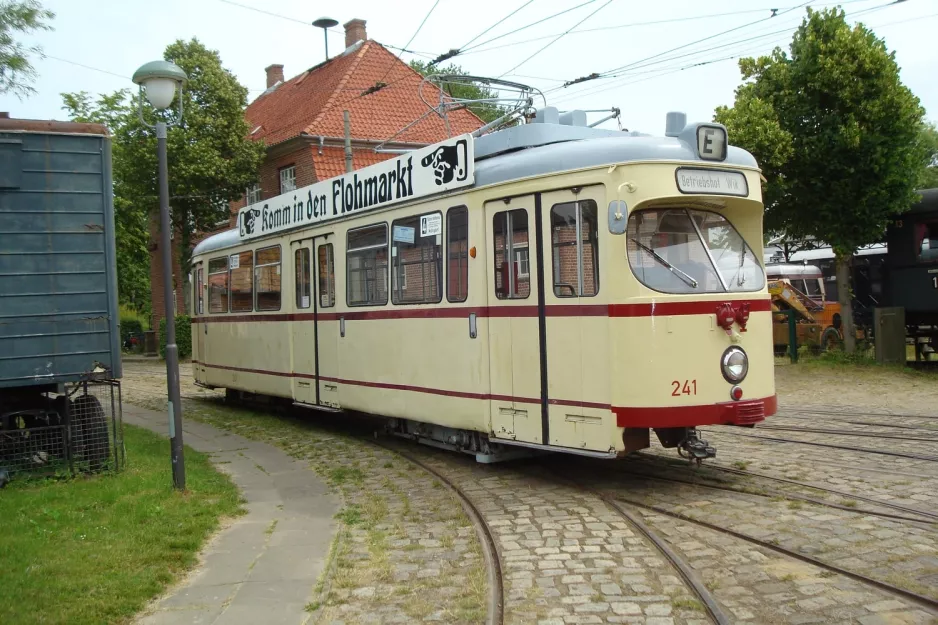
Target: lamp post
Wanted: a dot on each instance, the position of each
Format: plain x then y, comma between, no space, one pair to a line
159,81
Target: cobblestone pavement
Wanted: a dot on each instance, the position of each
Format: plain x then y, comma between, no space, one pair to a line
569,558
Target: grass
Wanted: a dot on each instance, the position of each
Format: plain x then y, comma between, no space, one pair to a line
96,549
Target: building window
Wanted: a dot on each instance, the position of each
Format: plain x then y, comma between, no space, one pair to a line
241,278
367,266
302,277
417,259
267,279
457,254
326,277
218,285
252,194
576,260
512,279
288,179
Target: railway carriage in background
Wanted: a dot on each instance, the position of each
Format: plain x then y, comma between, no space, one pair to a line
549,286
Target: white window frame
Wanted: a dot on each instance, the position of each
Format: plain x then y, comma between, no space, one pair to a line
252,195
288,179
524,265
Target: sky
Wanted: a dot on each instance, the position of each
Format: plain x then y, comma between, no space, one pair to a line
98,44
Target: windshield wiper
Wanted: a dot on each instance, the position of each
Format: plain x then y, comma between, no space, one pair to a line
740,277
677,272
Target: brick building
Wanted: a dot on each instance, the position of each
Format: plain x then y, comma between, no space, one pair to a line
301,122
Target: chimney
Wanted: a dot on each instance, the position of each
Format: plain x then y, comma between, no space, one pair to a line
274,75
355,32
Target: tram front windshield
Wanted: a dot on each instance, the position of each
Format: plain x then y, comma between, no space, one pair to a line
690,251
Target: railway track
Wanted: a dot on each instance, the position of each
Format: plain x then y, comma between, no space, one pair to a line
496,602
860,433
918,599
881,452
925,517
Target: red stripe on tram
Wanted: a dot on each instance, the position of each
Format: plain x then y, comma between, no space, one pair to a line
668,308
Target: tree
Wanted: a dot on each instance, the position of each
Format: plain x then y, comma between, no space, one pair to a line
485,111
855,134
211,159
930,175
16,69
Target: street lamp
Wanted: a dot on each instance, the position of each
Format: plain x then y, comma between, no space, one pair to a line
159,81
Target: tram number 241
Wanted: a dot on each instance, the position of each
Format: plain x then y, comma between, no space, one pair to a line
689,387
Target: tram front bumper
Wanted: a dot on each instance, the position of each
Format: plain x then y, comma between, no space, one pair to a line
747,412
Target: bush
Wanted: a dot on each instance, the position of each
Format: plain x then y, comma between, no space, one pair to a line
183,337
132,324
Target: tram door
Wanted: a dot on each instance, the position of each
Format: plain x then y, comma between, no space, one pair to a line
198,303
576,333
302,328
327,326
514,347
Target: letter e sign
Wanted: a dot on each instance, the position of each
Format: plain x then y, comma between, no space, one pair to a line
711,143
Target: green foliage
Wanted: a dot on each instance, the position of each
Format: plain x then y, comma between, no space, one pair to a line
183,337
16,69
929,138
211,160
836,129
485,112
95,549
131,323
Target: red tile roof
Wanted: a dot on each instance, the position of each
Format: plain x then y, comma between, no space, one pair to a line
312,103
332,161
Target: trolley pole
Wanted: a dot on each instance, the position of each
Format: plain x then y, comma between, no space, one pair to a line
172,352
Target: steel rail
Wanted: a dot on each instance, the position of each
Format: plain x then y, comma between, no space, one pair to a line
895,454
496,603
930,518
787,428
922,600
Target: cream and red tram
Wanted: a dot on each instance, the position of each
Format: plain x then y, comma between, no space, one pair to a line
547,286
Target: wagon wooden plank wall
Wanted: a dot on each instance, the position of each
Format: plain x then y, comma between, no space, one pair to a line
548,286
58,295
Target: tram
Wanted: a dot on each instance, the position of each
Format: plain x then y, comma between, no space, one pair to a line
548,286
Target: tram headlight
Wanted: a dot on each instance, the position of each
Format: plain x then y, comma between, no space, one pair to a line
735,364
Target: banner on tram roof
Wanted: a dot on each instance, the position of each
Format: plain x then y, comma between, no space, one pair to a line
436,168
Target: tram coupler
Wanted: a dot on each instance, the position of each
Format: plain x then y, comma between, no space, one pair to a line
695,448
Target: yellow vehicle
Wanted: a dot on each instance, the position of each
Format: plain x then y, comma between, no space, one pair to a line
801,287
548,286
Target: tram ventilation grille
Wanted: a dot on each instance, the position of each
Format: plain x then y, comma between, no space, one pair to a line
750,413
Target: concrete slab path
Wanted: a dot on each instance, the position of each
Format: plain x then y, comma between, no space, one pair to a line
261,569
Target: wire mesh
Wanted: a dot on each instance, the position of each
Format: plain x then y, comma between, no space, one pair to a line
80,431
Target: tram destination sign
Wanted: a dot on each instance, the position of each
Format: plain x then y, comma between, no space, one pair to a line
711,181
436,168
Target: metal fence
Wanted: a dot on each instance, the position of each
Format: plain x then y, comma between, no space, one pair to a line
75,433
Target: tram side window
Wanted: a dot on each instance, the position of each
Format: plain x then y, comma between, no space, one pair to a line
512,264
576,260
417,259
218,285
457,254
301,265
267,279
367,266
326,276
241,279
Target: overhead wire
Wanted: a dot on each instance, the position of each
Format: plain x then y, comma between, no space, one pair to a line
559,37
502,20
477,50
662,71
527,26
378,84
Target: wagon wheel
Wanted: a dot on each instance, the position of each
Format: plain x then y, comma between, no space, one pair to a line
830,339
91,432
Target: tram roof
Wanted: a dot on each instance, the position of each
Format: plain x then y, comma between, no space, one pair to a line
537,149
